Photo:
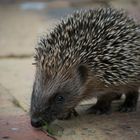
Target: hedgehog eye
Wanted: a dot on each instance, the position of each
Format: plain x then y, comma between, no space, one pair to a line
59,99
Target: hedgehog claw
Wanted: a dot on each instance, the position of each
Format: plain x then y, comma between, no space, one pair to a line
99,110
126,108
130,103
65,117
69,115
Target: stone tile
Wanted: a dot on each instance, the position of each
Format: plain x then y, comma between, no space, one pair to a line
17,77
7,106
19,30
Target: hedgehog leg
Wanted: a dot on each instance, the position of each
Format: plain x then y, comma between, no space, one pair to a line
103,105
130,102
68,115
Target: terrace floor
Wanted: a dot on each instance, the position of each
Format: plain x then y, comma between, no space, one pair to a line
20,25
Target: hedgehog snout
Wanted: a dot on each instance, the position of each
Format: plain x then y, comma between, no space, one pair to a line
36,122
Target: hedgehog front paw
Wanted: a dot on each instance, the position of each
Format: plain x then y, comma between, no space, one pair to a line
127,107
99,110
68,115
130,102
65,116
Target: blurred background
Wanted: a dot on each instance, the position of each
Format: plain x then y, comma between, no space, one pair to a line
21,23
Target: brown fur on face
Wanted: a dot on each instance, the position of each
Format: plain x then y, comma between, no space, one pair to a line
47,92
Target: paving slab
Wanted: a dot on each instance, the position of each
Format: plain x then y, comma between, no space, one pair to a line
7,106
19,30
17,77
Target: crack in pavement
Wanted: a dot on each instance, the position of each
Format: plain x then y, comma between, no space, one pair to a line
13,100
22,56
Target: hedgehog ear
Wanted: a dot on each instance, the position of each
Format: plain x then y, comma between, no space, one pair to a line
83,73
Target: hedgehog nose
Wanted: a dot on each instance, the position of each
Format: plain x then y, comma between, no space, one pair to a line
35,122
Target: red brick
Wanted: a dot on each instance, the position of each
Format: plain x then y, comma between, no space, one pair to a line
19,128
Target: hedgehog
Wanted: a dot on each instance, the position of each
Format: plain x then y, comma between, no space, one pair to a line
91,53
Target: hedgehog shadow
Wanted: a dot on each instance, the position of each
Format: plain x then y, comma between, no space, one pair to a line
87,124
